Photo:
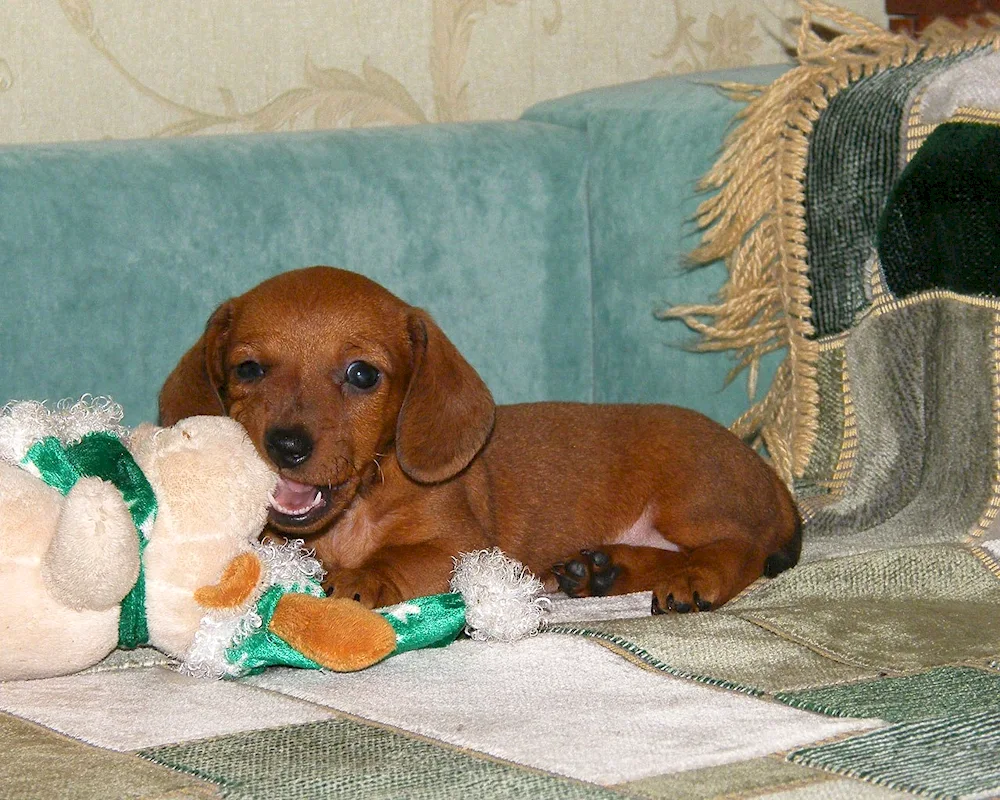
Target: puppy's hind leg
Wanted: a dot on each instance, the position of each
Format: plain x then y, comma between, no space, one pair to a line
709,576
788,555
698,579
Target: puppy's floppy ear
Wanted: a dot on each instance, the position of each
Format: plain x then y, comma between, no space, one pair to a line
195,385
447,413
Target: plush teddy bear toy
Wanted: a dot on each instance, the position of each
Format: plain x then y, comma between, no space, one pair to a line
117,539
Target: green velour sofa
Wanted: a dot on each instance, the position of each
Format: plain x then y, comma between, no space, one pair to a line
846,225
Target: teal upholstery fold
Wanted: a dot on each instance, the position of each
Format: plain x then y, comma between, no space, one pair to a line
115,253
650,143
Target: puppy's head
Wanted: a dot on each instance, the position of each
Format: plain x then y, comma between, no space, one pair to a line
331,374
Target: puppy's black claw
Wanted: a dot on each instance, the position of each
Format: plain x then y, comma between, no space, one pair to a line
567,587
679,606
568,584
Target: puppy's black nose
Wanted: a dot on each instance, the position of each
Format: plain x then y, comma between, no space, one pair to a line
288,447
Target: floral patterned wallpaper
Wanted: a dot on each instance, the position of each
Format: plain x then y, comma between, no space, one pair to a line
94,69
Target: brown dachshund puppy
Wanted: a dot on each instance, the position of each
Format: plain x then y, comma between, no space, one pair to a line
393,458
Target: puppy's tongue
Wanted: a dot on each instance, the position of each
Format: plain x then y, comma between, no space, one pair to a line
294,498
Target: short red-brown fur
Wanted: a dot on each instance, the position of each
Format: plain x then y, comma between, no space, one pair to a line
433,469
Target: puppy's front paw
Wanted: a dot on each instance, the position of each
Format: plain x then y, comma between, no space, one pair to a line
368,587
591,575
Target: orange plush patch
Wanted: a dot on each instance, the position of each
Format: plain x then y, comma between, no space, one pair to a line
234,587
336,633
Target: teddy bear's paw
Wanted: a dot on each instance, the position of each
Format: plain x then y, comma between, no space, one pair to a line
338,634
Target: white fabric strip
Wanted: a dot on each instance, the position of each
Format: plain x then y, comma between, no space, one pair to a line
564,705
138,708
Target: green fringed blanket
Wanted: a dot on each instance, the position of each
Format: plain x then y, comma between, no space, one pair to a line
857,210
862,235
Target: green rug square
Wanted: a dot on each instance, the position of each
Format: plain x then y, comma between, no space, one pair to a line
39,762
721,649
743,779
954,757
342,758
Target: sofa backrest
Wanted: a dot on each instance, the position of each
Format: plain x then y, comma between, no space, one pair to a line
649,144
115,254
543,247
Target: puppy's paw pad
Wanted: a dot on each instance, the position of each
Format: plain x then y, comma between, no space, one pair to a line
591,575
571,576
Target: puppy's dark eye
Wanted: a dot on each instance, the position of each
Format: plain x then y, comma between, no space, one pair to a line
361,375
249,371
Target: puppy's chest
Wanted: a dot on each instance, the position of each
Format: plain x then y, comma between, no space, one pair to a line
355,536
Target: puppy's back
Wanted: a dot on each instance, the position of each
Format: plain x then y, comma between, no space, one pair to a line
563,473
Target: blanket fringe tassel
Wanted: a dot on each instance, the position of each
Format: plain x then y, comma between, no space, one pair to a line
756,220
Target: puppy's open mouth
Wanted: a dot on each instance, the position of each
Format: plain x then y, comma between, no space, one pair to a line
298,505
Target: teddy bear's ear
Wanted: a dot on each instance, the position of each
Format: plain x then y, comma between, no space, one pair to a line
195,386
140,438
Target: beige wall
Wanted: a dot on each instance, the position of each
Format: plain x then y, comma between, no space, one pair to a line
92,69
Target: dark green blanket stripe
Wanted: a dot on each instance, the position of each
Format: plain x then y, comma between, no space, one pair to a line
637,652
945,758
852,163
941,226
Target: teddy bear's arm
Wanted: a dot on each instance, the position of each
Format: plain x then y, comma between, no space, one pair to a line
339,634
93,559
237,583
